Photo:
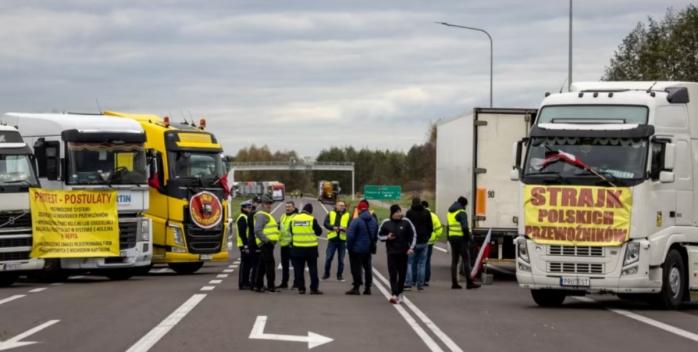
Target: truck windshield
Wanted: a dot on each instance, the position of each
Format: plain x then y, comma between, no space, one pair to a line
17,170
594,114
103,163
196,165
619,159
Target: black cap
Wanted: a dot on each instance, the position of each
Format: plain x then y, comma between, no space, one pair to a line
394,209
462,201
416,201
308,208
425,204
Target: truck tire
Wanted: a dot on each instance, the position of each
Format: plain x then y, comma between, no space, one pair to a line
7,279
186,268
548,298
120,274
673,282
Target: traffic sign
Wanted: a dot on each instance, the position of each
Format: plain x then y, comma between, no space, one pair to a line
382,192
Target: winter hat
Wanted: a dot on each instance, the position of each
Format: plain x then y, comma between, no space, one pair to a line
416,201
425,204
462,201
363,205
394,209
308,208
267,200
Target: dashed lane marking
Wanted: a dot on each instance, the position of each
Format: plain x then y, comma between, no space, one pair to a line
215,282
228,270
208,288
11,298
154,335
37,290
221,276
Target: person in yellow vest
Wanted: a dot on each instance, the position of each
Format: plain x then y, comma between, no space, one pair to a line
241,224
267,234
336,224
459,239
304,232
285,242
435,236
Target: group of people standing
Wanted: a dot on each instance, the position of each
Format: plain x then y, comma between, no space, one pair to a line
409,241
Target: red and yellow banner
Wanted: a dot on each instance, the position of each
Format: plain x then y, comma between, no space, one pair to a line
577,215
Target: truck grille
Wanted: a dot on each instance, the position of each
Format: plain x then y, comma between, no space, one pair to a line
576,251
15,231
128,234
575,268
15,242
14,256
201,241
10,221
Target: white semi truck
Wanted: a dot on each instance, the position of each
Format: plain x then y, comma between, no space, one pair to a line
609,190
472,154
17,174
92,152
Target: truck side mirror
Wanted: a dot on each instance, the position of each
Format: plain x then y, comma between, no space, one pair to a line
669,156
48,158
514,174
666,177
516,151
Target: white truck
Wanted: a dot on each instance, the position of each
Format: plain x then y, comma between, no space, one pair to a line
472,154
17,174
86,152
609,189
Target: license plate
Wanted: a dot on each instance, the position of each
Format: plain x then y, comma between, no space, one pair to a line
575,281
206,256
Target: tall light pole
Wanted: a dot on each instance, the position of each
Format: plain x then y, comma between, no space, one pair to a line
491,49
569,63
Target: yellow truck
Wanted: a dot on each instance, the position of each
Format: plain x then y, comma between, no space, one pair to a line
188,193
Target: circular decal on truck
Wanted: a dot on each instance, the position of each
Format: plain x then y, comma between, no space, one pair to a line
205,209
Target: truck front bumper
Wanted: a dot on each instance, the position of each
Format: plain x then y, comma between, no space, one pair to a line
22,265
138,256
172,257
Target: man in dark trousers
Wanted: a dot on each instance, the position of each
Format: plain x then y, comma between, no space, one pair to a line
336,224
252,248
266,231
400,239
416,263
361,238
242,231
285,242
459,238
304,232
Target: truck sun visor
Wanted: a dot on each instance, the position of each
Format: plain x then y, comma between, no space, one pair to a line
641,131
92,137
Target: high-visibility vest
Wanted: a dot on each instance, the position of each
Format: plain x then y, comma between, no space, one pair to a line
239,239
271,229
438,228
454,227
343,222
302,231
285,226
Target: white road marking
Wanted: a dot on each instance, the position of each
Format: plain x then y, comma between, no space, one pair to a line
221,276
313,339
276,208
431,344
37,290
424,318
17,340
324,208
649,321
208,288
231,266
153,336
228,270
215,282
11,298
440,249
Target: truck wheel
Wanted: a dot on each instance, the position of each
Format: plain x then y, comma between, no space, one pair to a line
673,282
186,268
120,275
7,279
548,298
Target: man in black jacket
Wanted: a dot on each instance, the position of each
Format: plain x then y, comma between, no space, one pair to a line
416,263
459,239
242,231
399,237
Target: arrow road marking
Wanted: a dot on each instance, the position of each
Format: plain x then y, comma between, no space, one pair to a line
313,339
17,340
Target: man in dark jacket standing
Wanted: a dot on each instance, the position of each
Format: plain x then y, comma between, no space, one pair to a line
361,235
416,263
242,231
459,238
304,231
399,237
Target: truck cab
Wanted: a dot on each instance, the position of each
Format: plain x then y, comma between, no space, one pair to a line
17,175
90,152
189,201
609,184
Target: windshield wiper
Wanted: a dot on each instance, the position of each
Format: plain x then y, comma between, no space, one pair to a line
604,175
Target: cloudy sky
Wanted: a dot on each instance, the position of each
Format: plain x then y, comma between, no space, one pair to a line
301,75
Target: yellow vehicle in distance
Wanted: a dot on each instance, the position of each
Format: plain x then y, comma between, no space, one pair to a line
188,193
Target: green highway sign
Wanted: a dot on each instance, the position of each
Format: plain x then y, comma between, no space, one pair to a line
379,192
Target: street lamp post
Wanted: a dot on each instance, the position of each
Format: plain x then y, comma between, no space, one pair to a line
491,49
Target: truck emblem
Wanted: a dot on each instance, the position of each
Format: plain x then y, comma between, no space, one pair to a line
205,209
12,219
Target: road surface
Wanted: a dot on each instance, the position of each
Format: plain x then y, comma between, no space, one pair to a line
206,312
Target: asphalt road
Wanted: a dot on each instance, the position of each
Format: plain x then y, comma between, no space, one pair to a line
206,312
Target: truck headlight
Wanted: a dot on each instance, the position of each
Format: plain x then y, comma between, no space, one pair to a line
145,230
522,249
632,253
177,235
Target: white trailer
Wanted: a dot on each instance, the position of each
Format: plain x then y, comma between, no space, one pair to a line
81,151
609,189
472,160
17,174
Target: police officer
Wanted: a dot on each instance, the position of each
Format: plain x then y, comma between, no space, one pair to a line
304,233
336,224
285,242
459,238
266,231
241,223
